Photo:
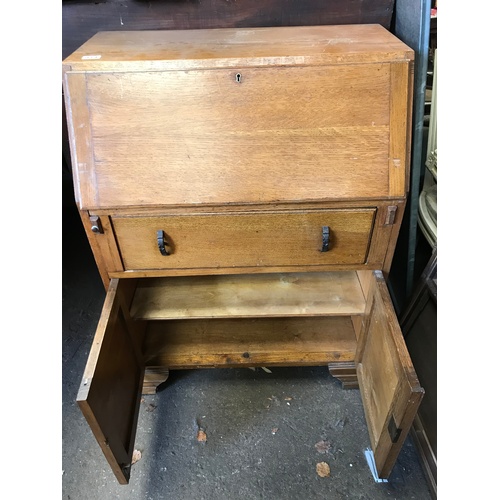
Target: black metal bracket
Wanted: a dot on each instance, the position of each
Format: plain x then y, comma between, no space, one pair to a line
326,239
394,432
162,243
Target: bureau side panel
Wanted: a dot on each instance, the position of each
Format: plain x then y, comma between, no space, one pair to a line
80,138
238,136
400,116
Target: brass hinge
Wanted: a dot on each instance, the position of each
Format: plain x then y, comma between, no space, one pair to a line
390,215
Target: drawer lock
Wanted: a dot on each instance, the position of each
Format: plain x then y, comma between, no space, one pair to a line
162,243
326,239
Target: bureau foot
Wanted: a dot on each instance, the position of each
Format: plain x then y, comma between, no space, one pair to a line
345,371
153,377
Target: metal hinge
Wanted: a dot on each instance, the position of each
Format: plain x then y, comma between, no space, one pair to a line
393,429
95,224
390,215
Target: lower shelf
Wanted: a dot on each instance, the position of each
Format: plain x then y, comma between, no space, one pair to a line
228,343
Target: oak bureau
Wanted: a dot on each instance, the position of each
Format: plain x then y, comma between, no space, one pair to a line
242,191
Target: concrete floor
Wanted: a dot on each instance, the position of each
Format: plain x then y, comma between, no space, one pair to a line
262,428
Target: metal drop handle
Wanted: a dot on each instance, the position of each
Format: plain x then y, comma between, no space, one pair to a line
326,239
162,242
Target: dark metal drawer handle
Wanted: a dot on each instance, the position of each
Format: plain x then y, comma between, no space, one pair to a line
162,243
326,239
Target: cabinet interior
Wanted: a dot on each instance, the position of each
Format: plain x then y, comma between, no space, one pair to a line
280,319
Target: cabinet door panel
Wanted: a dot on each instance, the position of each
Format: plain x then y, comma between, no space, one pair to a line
389,386
109,394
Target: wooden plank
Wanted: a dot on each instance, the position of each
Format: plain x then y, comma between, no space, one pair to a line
290,294
78,120
236,208
249,342
390,389
82,19
398,145
345,371
104,247
110,390
100,259
130,51
217,271
207,130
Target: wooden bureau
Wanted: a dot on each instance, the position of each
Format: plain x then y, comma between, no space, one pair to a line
242,191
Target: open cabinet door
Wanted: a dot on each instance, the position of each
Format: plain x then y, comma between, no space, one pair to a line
110,391
388,383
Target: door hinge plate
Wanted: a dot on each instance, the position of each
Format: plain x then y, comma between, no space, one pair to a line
95,224
390,215
394,432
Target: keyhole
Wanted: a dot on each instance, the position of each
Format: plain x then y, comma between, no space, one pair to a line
238,77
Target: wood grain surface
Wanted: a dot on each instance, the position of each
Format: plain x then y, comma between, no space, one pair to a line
390,389
245,239
83,18
286,294
249,342
111,385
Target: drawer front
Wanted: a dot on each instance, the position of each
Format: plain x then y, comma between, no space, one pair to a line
195,137
246,239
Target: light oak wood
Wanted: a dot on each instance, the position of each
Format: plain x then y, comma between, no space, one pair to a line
398,164
246,239
236,47
214,127
287,294
219,271
154,376
162,211
389,386
345,371
249,342
78,120
110,390
104,246
240,146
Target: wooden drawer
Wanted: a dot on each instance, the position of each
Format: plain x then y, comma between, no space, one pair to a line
294,238
286,319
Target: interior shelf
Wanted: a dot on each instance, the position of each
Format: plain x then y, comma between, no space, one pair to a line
249,296
250,341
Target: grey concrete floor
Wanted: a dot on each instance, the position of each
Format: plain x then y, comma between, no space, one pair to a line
262,428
